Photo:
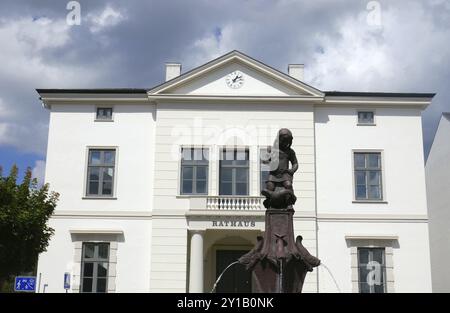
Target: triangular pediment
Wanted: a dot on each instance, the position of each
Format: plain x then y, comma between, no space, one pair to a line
259,79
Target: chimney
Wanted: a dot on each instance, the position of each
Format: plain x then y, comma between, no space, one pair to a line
296,71
172,70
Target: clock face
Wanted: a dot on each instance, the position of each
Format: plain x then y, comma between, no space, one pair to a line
235,79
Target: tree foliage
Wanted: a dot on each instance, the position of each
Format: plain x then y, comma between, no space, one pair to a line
24,211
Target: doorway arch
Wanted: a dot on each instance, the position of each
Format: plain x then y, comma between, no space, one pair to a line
222,247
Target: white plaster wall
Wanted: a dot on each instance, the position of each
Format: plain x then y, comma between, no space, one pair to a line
72,129
398,133
169,254
133,253
438,188
306,227
411,258
215,125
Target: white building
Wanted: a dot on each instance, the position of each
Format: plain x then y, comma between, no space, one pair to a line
134,216
438,188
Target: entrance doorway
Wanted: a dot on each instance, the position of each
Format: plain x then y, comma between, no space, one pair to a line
236,279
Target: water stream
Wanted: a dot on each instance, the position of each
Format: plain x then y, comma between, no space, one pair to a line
237,262
329,272
221,274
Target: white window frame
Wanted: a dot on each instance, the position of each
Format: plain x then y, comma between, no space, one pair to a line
108,106
250,168
180,174
366,110
210,165
383,274
116,172
372,242
383,176
78,239
95,262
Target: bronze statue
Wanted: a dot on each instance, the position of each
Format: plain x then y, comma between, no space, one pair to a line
280,175
278,262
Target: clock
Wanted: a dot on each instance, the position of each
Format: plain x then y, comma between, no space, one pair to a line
235,79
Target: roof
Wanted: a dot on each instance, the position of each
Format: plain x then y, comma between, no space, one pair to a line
327,93
96,90
379,94
266,69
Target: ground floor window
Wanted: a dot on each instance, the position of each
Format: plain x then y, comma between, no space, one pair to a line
372,270
94,267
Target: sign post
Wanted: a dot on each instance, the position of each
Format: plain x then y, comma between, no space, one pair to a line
25,283
67,281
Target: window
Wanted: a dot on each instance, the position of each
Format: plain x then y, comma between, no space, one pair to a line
234,172
104,113
94,267
100,174
366,118
371,270
264,169
368,176
194,171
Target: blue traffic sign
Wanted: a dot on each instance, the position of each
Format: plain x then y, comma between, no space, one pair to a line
66,281
25,283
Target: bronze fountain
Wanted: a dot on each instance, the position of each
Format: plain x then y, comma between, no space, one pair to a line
279,263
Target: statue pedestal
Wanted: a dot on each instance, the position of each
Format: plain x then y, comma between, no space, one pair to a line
279,262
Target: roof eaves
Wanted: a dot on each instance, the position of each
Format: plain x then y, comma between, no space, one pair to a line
94,91
378,94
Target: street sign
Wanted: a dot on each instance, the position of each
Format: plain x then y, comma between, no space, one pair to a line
25,283
66,281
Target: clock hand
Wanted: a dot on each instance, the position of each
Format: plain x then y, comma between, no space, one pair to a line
236,78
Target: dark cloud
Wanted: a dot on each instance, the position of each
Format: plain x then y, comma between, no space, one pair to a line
128,46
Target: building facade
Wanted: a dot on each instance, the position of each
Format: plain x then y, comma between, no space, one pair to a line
160,188
438,186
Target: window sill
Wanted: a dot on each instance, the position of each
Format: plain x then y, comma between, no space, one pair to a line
192,196
98,198
363,124
105,120
370,201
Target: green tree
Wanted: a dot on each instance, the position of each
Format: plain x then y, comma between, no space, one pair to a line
24,211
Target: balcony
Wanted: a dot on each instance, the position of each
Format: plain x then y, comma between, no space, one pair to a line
234,203
237,204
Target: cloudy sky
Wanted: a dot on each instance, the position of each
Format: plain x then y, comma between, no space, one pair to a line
360,45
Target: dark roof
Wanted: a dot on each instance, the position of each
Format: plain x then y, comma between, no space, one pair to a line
96,90
379,94
327,93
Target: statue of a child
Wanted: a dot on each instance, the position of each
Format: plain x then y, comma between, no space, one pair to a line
280,174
